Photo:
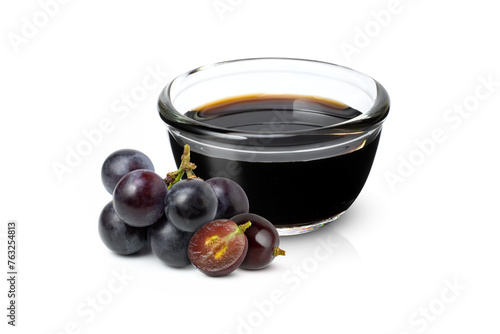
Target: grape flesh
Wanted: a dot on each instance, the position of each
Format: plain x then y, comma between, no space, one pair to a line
118,236
263,241
218,247
190,203
231,198
169,244
121,162
139,198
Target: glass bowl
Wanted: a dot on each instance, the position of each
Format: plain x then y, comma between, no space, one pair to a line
301,167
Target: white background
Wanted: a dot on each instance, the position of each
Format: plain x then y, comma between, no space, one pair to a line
394,254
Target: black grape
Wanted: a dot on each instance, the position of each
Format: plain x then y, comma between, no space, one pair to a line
169,243
139,197
119,237
190,203
231,198
121,162
263,241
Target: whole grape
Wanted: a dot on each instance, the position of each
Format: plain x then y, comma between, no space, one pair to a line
121,162
139,197
231,198
263,241
169,244
118,236
190,203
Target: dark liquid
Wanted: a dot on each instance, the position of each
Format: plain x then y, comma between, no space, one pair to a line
286,193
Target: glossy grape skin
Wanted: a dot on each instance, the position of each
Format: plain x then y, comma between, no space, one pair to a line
121,162
118,236
224,254
169,244
190,203
139,197
231,198
262,239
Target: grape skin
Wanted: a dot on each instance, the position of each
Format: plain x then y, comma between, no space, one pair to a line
139,197
121,162
169,244
190,204
117,235
262,239
231,198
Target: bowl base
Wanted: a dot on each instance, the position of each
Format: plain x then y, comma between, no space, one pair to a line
296,230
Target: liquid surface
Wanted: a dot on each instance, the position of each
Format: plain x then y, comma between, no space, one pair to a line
293,193
273,113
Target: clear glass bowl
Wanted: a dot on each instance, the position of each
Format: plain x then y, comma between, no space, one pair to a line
298,175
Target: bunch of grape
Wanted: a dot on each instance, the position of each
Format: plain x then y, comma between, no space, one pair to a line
206,223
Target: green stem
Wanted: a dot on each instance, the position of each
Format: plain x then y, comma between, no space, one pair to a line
278,251
185,167
244,227
178,176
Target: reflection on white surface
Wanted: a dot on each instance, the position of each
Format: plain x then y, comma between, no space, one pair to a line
321,245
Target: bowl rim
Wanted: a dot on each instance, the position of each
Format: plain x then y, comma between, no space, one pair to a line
362,123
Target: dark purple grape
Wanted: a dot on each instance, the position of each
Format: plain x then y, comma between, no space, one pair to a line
169,243
121,162
218,247
231,198
139,197
190,203
263,241
119,237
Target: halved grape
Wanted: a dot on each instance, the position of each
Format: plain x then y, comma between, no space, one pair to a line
169,243
263,241
231,198
190,203
218,247
139,197
121,162
119,237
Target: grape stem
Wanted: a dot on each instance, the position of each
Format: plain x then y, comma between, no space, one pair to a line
278,251
185,167
243,227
